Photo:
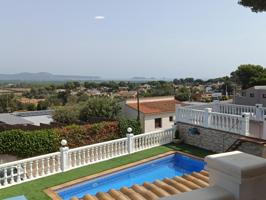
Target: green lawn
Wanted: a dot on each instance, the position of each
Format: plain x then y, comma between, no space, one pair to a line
33,190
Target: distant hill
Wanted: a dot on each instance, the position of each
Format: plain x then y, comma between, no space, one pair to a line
44,76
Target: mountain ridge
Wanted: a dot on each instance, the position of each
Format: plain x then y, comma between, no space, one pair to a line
44,76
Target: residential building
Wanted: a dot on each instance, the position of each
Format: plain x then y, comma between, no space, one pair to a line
35,118
155,112
252,96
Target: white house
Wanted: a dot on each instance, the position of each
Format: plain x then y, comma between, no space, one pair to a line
155,112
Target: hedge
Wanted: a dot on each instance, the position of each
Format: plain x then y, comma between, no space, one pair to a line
32,143
28,143
124,123
77,135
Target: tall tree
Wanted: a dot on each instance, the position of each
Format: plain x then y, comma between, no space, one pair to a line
255,5
245,74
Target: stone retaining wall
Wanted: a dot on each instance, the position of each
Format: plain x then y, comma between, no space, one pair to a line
215,140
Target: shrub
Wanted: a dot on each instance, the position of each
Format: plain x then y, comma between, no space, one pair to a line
33,143
124,123
103,107
66,114
88,134
28,143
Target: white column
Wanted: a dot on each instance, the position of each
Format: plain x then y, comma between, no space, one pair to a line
174,127
130,144
64,162
259,112
130,140
264,128
207,117
245,124
241,174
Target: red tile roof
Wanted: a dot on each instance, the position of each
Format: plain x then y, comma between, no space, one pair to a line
155,107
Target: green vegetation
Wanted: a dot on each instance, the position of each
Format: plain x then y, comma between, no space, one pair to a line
124,123
255,5
249,75
103,107
37,142
28,143
99,107
7,103
34,190
77,135
66,114
105,103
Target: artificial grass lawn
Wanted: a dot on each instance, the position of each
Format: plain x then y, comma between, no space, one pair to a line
33,190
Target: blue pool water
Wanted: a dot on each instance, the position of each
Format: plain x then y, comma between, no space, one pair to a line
169,166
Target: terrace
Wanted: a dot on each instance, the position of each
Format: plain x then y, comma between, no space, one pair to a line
34,176
238,119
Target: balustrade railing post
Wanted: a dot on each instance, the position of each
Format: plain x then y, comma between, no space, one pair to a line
174,129
130,141
245,123
207,117
259,112
64,162
264,128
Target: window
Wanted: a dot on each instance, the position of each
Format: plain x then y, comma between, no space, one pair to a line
243,94
158,123
171,118
251,94
264,96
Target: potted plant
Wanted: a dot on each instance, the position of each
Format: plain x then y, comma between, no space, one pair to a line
177,139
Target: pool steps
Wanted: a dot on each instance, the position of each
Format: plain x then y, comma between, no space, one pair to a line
155,190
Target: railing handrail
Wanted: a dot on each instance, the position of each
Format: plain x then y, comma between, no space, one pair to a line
226,114
29,159
152,132
97,144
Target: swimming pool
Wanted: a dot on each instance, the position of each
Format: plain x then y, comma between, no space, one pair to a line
168,166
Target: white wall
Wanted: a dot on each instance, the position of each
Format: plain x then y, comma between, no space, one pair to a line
149,124
148,121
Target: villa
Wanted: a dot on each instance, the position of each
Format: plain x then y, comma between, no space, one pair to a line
156,113
149,166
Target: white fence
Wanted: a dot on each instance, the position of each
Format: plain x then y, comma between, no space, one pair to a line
256,112
227,122
66,159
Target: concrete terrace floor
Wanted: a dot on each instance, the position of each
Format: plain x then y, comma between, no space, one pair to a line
33,190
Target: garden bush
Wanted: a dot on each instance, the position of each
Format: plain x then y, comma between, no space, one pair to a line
28,143
37,142
66,114
77,136
32,143
124,123
105,107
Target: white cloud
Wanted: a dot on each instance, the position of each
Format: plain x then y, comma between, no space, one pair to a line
99,17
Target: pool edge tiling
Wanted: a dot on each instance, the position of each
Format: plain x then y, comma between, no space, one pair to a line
52,192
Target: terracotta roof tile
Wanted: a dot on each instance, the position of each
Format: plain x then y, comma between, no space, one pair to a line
154,107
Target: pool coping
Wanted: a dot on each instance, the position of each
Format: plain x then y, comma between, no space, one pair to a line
51,192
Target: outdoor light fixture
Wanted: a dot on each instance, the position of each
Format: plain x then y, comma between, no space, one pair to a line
129,129
63,142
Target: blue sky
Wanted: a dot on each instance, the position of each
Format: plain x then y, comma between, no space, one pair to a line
150,38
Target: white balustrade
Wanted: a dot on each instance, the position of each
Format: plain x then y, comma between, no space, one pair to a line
37,167
256,112
189,115
221,121
153,139
28,169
